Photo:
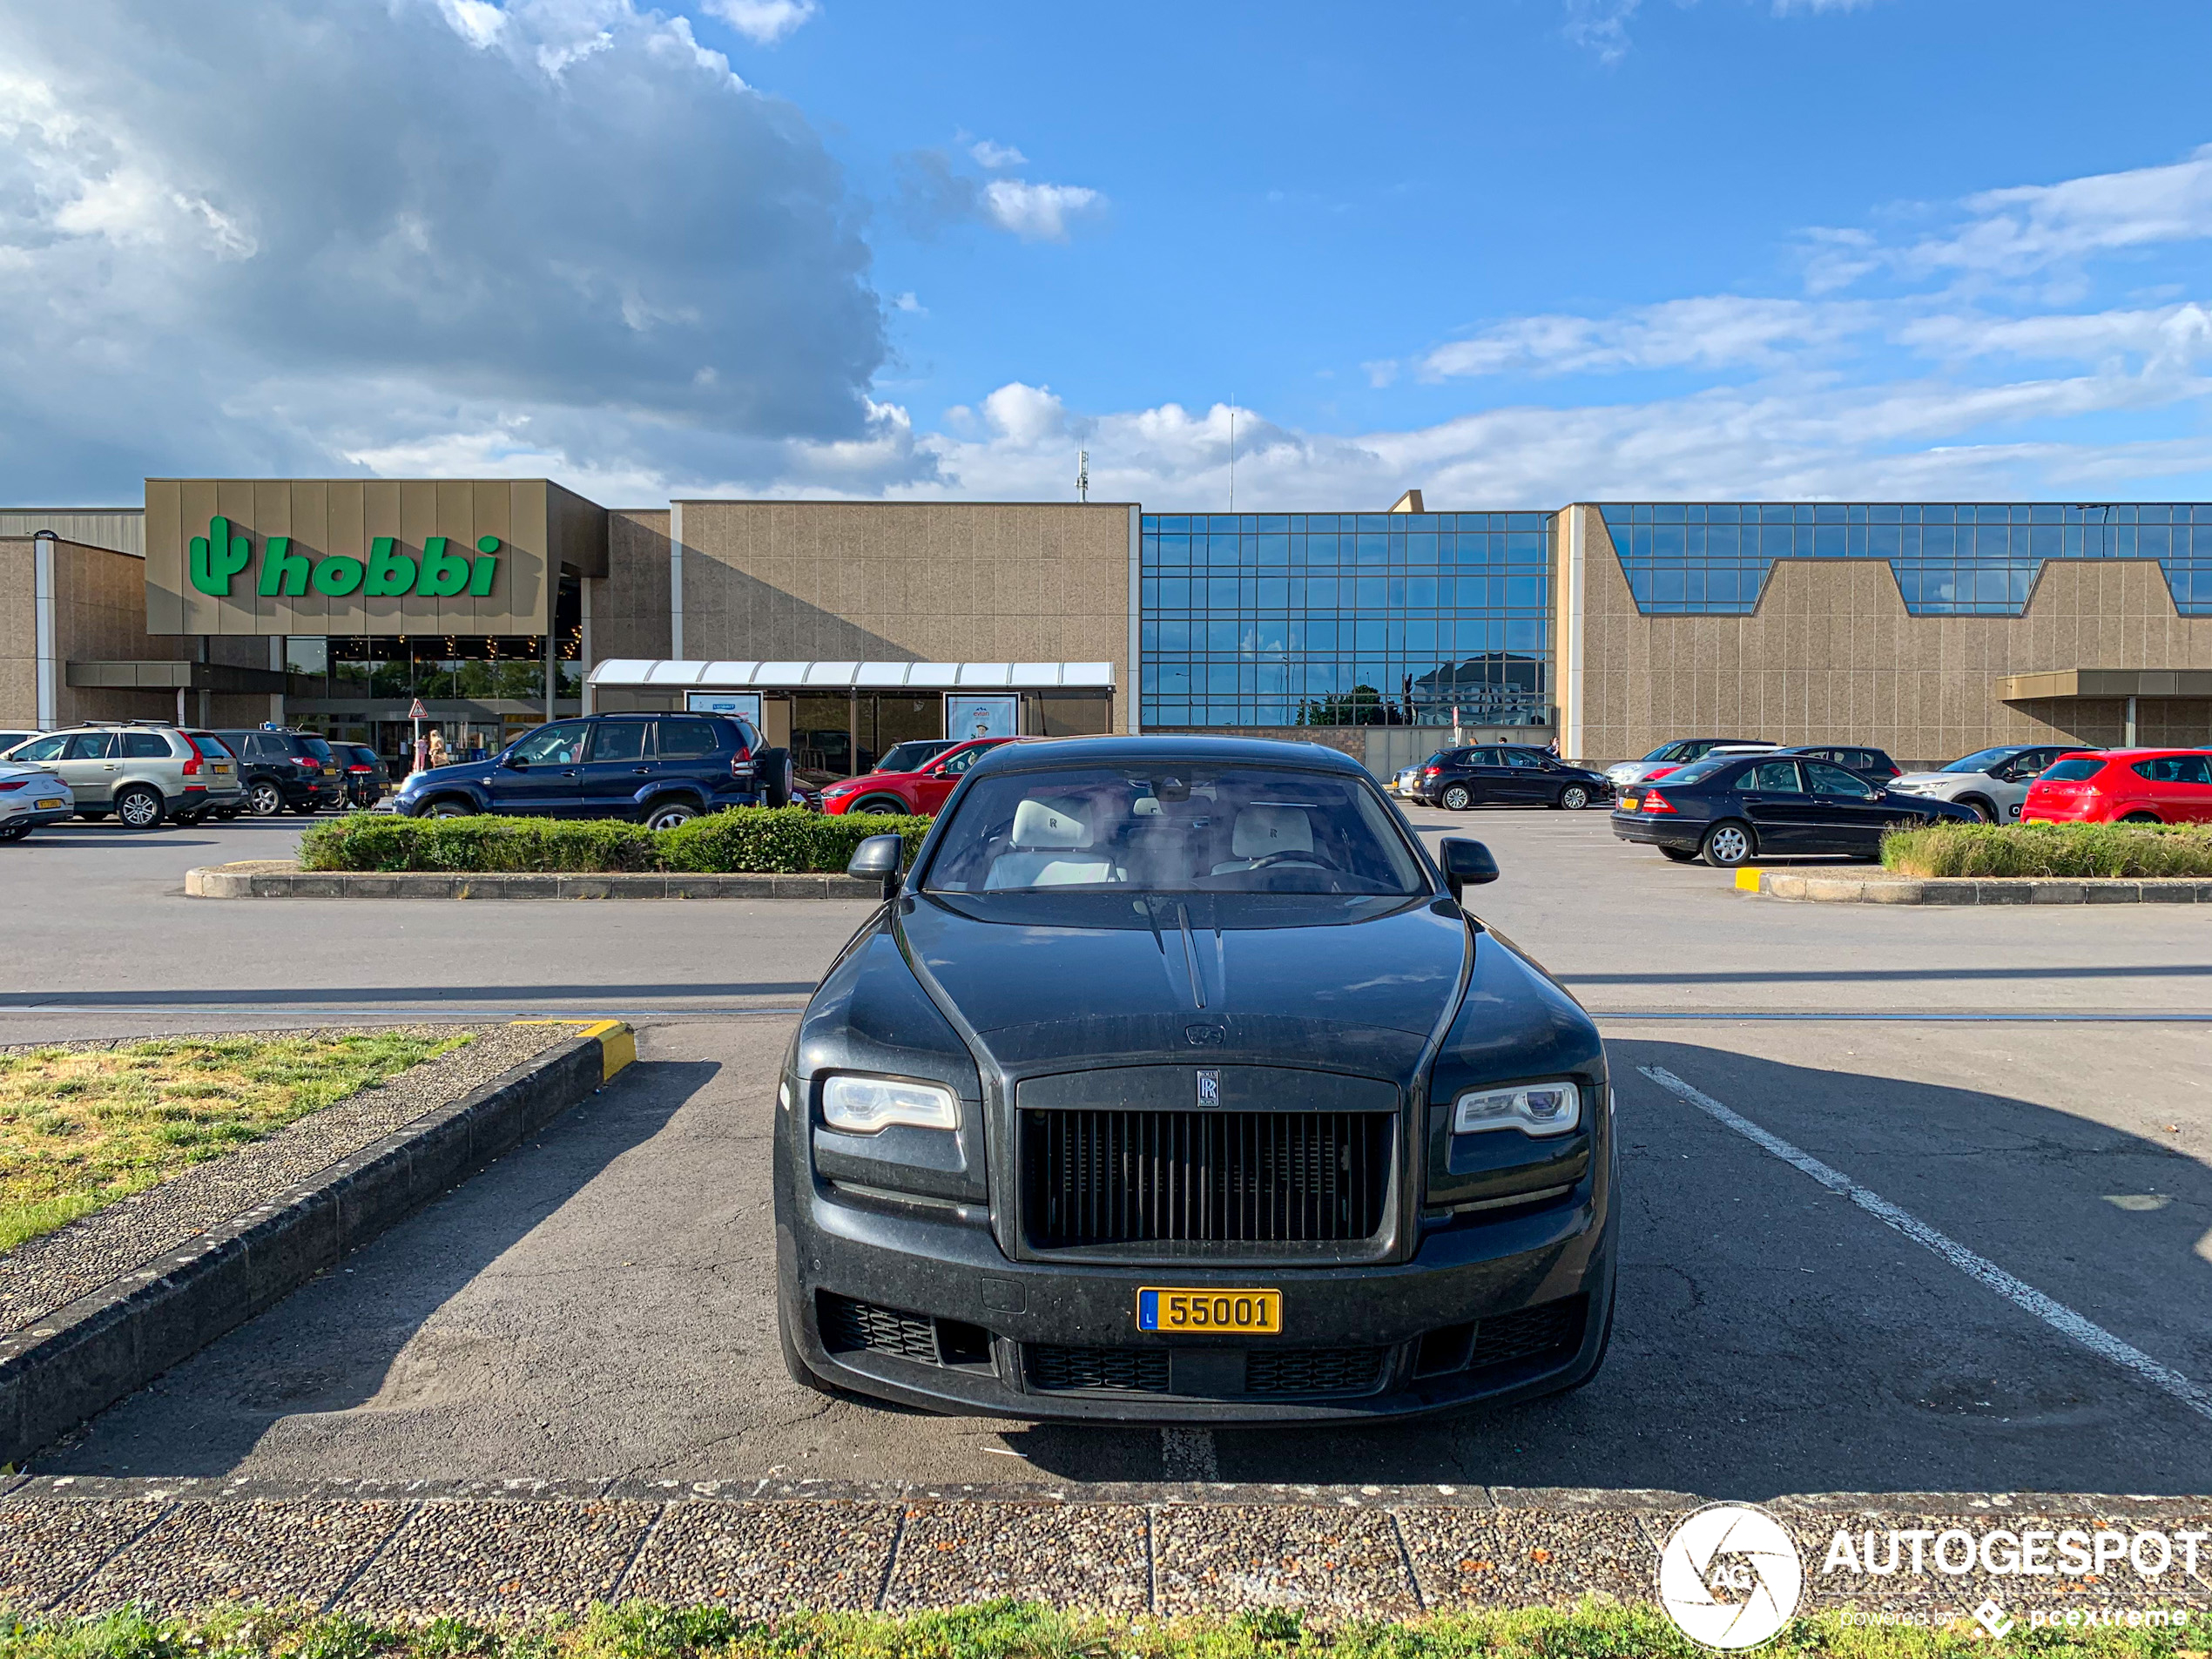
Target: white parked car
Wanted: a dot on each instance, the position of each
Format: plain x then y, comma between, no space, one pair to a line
1679,752
32,795
1402,781
1993,782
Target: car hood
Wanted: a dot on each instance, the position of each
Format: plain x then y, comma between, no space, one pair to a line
457,770
1116,980
1936,778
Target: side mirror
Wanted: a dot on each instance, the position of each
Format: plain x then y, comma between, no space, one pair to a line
514,763
879,856
1466,864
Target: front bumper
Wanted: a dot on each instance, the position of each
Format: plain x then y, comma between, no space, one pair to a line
1390,1341
1667,829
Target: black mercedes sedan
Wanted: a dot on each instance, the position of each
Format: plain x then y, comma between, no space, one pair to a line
1506,774
1172,1084
1729,809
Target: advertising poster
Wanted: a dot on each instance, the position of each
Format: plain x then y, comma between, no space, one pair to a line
744,704
982,716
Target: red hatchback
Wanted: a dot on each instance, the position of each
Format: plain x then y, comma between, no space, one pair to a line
2123,786
920,792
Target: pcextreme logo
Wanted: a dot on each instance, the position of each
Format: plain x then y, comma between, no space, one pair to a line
222,554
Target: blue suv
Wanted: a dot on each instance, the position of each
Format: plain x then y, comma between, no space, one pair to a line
658,770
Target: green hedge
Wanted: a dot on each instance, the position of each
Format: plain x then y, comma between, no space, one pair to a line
2066,850
743,841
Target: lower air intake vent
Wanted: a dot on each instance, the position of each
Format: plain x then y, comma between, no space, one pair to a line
1130,1371
847,1325
1533,1331
1314,1371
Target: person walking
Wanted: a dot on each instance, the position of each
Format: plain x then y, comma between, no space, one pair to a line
437,749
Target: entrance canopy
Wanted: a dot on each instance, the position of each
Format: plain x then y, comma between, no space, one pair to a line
2107,682
865,676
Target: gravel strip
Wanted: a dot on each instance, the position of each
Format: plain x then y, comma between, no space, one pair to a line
203,1553
1222,1558
46,1548
1511,1558
764,1559
1082,1555
50,1271
501,1560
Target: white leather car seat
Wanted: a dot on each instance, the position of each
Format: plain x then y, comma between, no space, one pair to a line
1049,849
1262,831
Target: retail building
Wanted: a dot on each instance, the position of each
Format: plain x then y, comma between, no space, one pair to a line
1926,628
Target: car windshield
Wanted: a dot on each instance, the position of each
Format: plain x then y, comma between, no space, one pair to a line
1175,828
1981,760
1668,751
911,755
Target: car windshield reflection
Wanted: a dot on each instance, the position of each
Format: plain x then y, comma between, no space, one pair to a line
1200,829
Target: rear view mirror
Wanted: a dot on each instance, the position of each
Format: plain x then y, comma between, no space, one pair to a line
1466,864
878,857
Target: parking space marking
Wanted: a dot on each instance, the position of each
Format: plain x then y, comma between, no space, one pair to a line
1188,1455
1984,1271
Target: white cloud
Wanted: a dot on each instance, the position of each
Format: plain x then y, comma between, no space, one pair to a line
545,217
996,155
1711,332
763,22
1038,212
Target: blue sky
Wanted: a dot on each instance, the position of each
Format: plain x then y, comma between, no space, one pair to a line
1509,253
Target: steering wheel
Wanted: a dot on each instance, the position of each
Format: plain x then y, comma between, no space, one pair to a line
1308,859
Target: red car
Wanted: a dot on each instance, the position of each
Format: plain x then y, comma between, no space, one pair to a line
2123,786
920,792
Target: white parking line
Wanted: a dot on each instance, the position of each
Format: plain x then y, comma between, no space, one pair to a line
1187,1454
2026,1297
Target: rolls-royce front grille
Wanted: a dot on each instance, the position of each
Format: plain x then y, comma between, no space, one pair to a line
1129,1177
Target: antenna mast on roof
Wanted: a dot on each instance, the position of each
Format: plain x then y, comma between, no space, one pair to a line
1232,452
1083,475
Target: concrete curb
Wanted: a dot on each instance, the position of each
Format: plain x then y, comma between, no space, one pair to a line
261,879
515,1549
2012,890
81,1358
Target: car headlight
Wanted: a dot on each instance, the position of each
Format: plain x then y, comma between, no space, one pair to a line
863,1105
1534,1108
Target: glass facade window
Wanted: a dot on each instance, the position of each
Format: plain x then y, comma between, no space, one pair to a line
1345,619
1951,559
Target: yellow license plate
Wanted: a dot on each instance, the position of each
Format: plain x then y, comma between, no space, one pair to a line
1629,803
48,806
222,770
1251,1313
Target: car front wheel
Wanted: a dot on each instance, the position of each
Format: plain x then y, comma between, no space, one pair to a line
1727,846
1979,808
880,804
2140,818
265,800
1574,798
1457,799
138,808
666,815
447,808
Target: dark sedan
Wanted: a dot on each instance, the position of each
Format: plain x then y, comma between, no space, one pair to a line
1729,809
1172,1084
1506,774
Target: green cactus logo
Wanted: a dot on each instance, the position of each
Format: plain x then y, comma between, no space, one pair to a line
218,556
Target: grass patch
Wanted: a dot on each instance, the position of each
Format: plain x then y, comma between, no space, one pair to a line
743,841
1017,1630
2065,850
80,1128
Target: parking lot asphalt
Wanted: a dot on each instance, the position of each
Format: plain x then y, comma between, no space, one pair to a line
1987,1265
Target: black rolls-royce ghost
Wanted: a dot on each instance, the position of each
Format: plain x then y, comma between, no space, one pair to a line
1172,1084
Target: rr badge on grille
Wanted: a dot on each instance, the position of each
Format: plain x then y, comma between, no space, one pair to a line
1209,1088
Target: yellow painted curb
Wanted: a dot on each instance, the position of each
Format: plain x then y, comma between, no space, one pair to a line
1747,880
617,1042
